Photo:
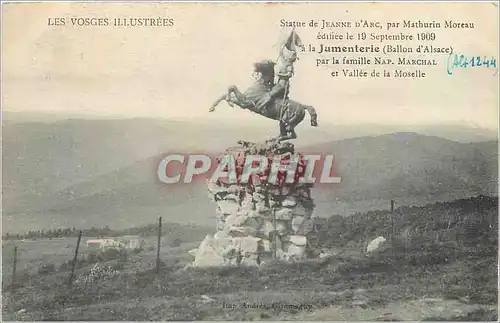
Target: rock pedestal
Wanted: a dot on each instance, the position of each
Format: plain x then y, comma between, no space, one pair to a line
259,220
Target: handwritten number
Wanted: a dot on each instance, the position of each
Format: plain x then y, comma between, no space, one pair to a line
493,62
449,66
462,61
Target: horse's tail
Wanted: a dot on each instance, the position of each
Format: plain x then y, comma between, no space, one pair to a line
312,113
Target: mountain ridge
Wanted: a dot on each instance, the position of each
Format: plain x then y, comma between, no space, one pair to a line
375,169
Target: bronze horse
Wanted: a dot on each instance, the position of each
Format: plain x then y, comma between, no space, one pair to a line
289,113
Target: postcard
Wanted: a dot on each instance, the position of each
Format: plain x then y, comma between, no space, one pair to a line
269,161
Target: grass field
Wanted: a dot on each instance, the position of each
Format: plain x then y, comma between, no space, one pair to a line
442,279
34,254
345,287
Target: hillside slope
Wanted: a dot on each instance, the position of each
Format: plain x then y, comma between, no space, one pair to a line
103,172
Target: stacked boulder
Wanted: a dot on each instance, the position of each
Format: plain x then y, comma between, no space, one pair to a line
259,220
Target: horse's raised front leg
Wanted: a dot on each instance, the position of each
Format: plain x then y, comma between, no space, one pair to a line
232,95
231,89
237,97
216,103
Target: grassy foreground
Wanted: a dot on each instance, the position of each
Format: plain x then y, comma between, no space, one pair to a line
430,279
176,294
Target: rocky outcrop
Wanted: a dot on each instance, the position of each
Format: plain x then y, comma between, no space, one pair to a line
261,219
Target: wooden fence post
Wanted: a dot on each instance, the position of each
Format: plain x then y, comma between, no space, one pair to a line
14,267
158,248
392,219
73,265
275,235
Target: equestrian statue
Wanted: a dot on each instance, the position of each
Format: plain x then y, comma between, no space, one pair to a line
268,96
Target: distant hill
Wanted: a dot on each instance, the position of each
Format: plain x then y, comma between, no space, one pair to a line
88,173
171,231
41,157
410,166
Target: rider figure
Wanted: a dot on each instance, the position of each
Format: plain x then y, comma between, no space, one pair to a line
281,89
264,74
284,73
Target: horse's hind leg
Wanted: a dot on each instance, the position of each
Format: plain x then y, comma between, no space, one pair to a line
290,134
283,131
287,130
312,113
297,118
294,123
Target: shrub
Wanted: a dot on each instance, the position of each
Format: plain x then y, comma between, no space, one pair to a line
64,266
96,274
112,254
176,243
47,269
92,257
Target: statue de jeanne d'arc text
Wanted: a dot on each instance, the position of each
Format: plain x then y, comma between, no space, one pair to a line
268,96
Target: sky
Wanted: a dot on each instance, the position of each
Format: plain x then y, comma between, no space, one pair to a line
177,72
